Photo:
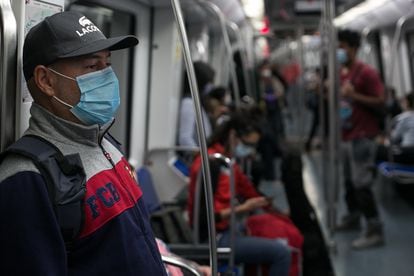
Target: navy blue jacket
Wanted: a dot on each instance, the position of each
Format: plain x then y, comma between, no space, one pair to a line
116,238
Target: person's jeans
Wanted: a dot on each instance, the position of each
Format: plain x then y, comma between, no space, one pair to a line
255,250
358,160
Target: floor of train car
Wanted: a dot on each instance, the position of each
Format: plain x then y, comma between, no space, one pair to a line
396,257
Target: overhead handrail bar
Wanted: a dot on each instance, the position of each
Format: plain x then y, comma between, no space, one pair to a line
247,82
8,72
227,44
394,47
401,23
200,132
172,148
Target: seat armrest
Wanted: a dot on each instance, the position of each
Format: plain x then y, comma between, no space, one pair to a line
181,263
198,252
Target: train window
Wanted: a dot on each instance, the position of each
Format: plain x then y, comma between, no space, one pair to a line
116,23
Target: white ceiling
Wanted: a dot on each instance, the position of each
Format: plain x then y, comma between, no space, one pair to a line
385,14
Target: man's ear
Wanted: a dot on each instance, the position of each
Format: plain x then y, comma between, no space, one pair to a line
44,80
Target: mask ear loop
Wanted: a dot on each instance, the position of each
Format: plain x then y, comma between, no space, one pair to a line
67,77
60,74
62,102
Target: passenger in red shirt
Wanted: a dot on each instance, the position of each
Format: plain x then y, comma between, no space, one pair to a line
362,95
236,138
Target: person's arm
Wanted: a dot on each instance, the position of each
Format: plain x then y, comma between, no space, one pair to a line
247,206
187,122
397,131
30,238
244,187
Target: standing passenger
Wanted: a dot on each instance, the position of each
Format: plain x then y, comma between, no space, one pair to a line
362,94
66,64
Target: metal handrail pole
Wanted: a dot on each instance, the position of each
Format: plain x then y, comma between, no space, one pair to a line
196,211
333,115
151,151
226,39
180,262
394,47
200,132
237,31
229,163
8,62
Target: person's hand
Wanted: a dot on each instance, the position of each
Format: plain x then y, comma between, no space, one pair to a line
205,270
347,90
255,202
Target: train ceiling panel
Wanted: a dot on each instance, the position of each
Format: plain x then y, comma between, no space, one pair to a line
373,14
232,9
285,14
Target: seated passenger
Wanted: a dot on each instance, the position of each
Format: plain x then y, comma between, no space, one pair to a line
402,134
217,105
236,138
187,133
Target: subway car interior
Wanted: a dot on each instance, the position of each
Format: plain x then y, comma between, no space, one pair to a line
274,69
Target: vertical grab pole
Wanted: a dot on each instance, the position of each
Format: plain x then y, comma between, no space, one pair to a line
8,71
333,115
232,213
229,163
322,94
301,100
201,135
247,81
394,56
394,47
217,11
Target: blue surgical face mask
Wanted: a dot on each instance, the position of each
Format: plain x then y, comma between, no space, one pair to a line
99,99
341,56
242,150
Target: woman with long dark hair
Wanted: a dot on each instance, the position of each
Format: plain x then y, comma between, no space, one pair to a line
237,137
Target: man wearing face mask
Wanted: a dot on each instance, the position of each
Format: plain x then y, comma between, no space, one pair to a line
66,63
362,93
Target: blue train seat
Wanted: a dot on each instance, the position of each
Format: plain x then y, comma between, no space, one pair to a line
401,173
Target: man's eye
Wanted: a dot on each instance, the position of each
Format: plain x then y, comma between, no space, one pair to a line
92,66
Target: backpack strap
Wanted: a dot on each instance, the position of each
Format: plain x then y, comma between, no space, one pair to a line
65,181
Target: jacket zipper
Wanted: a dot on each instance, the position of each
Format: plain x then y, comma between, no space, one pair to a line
136,211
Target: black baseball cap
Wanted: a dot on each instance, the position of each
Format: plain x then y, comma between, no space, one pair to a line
66,34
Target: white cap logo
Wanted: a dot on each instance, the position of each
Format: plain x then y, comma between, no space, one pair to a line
87,26
84,21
